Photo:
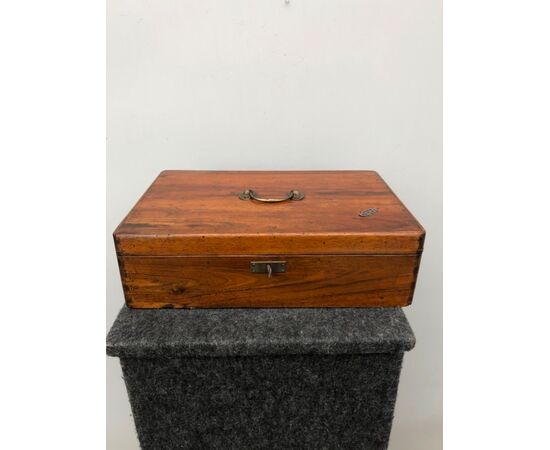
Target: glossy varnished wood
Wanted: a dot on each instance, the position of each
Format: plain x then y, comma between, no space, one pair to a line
189,240
198,213
310,281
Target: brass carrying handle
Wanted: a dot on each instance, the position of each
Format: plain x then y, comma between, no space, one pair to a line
249,194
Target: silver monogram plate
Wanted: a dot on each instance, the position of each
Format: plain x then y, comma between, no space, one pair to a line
368,212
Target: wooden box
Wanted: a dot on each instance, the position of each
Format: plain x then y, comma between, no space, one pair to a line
204,239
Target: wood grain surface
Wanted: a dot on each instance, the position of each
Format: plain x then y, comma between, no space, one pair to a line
198,213
189,241
310,281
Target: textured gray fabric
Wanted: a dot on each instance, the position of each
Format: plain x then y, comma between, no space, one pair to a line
262,379
302,402
224,332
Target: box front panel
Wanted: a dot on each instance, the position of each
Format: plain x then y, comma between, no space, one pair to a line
268,281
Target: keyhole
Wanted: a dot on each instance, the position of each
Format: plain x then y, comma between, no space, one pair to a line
269,271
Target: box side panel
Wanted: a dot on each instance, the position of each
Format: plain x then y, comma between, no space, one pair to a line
277,402
230,282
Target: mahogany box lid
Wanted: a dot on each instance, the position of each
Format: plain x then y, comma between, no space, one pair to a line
212,213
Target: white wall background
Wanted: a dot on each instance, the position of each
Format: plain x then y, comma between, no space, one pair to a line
315,84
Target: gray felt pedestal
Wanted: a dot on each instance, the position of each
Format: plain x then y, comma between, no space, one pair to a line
262,378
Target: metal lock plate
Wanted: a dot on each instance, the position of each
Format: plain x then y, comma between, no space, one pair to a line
268,267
